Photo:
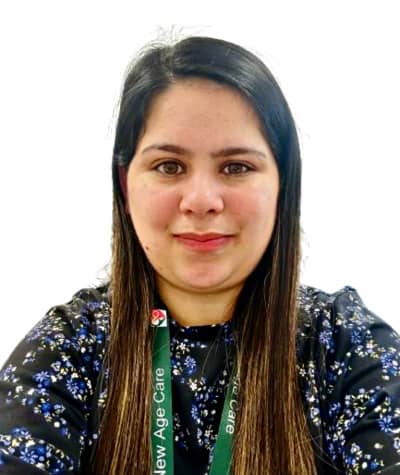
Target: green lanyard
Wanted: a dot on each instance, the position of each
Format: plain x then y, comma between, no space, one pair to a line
162,422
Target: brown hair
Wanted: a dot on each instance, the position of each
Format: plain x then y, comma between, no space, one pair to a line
271,434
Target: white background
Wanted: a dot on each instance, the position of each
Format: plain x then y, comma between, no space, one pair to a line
62,65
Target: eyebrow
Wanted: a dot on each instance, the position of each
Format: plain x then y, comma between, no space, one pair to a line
224,152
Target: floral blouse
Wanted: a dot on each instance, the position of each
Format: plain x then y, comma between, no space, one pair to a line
53,387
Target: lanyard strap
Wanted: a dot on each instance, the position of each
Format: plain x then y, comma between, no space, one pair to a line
162,420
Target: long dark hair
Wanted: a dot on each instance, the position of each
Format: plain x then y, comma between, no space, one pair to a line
271,435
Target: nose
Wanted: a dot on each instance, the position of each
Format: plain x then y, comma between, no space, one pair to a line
201,194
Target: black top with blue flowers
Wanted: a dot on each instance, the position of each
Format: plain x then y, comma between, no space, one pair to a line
53,387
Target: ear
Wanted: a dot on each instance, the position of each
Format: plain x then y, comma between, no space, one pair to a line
122,183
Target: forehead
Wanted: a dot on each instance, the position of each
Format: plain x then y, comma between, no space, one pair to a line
200,104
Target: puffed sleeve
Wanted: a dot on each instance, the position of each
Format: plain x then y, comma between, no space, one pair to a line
360,397
46,389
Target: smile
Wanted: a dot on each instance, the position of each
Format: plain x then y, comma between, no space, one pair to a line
208,245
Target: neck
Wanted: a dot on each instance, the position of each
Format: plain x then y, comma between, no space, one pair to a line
197,309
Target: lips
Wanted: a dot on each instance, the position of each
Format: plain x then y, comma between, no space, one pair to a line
203,242
202,237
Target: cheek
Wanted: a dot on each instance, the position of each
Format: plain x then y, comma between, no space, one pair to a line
150,208
255,208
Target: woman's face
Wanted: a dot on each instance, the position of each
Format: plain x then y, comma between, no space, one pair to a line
181,181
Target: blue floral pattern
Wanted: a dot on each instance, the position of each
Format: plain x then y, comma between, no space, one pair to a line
53,387
198,386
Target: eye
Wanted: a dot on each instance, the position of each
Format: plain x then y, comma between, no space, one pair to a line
237,168
169,168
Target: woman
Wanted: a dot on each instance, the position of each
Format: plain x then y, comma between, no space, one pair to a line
203,329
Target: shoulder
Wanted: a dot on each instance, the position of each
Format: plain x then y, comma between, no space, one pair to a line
313,300
343,347
48,385
69,337
349,374
87,308
83,320
334,328
89,304
327,319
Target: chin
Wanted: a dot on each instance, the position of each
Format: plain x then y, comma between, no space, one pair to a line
204,283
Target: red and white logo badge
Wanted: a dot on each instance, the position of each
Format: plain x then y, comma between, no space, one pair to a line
158,317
